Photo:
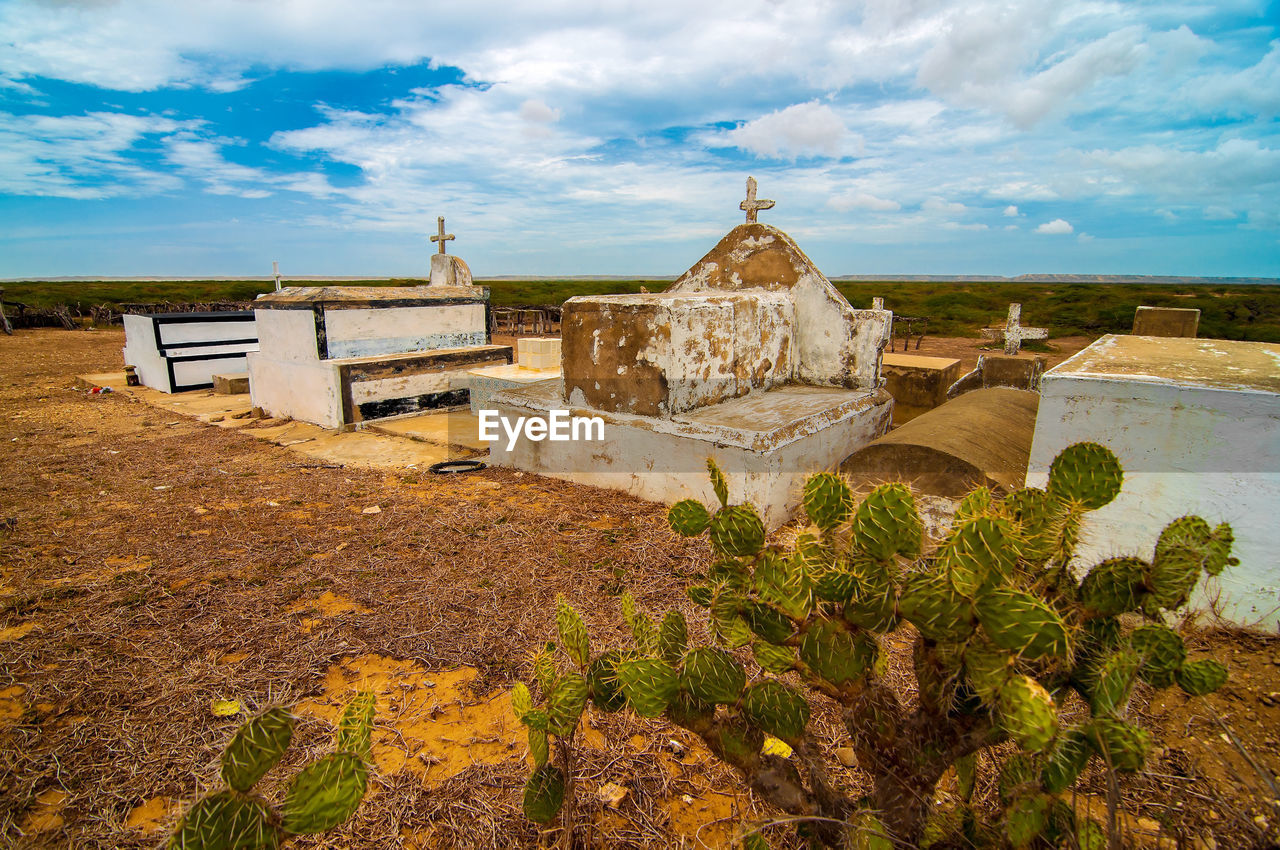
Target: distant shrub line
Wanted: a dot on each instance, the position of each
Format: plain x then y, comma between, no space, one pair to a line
1244,312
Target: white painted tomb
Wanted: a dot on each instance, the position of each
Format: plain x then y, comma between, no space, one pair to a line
1195,424
338,356
537,359
751,357
174,352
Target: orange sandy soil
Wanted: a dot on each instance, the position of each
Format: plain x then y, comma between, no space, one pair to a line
151,565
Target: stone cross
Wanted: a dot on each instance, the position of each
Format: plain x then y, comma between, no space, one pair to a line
1015,333
751,205
877,303
442,237
275,270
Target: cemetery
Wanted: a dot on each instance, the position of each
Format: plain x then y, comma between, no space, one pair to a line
793,570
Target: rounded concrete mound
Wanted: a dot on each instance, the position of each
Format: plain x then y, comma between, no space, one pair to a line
982,438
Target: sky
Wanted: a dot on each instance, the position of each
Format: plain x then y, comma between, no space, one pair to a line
153,137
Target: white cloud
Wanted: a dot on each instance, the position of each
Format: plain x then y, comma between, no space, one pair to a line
944,207
1011,211
1218,213
538,112
803,129
1084,238
1056,227
1251,91
862,201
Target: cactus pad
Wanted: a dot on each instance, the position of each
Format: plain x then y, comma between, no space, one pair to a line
688,518
602,679
987,668
1066,761
539,746
324,794
1219,550
931,604
565,704
977,502
836,586
767,623
1028,713
573,634
1122,745
1112,682
712,676
887,524
1198,678
521,700
1025,819
777,709
649,685
256,747
673,637
544,794
978,552
875,608
1161,651
700,595
1086,474
718,483
834,654
1021,623
225,821
1173,574
784,582
775,659
827,500
737,531
355,725
1114,586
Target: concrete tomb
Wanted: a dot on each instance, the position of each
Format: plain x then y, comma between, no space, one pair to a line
1195,424
999,370
751,357
1013,333
917,383
1166,321
982,438
173,352
338,356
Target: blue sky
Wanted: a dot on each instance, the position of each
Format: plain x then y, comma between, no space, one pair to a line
152,137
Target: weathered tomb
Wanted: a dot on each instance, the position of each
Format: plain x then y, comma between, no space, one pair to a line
1166,321
917,383
174,352
1195,424
981,439
1001,370
751,357
339,356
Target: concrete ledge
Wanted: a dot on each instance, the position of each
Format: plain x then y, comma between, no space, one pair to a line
917,383
766,443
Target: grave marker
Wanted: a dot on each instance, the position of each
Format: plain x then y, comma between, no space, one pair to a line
441,236
751,205
1013,334
1166,321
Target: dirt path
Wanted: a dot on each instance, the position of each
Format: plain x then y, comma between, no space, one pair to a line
150,565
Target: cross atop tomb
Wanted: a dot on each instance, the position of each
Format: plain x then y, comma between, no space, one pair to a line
442,237
751,205
1014,333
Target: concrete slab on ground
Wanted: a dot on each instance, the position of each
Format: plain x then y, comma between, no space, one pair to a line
345,448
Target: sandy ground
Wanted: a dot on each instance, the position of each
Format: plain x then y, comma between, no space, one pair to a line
151,564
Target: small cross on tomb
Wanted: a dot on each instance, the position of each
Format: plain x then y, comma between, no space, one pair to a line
442,237
751,205
1015,333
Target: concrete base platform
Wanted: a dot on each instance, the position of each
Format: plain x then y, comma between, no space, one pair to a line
982,438
767,443
484,382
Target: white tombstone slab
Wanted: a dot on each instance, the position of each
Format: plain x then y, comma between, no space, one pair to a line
175,352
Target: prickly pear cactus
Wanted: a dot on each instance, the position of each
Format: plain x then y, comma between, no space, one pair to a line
1002,630
324,794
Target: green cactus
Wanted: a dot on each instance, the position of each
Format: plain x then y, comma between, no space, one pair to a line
1001,633
226,821
544,794
688,518
718,483
827,500
324,794
737,531
573,633
1198,678
256,748
1086,474
712,676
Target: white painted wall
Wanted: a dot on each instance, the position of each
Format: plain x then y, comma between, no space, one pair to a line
1196,445
354,332
308,392
287,335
